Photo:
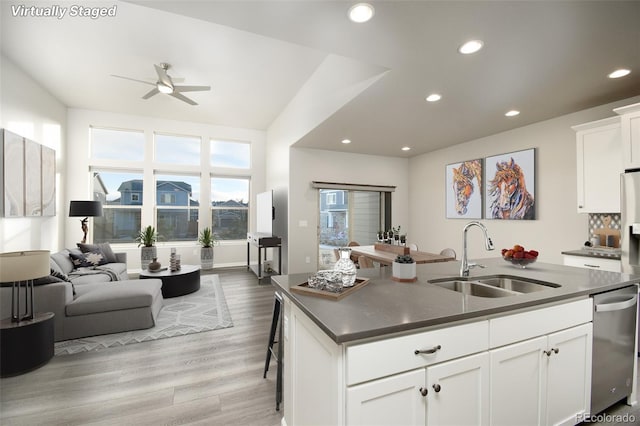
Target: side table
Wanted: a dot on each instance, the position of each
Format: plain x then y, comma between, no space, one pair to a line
25,345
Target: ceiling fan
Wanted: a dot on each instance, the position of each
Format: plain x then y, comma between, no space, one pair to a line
165,84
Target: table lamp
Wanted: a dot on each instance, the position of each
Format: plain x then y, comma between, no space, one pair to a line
20,268
86,209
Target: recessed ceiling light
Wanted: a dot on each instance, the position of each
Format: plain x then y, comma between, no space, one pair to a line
361,12
512,113
434,97
471,46
406,148
619,73
346,141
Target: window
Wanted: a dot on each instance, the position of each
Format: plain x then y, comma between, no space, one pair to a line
230,154
120,193
331,198
177,149
110,144
177,203
230,208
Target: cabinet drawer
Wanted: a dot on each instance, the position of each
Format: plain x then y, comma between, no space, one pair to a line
368,361
526,325
612,265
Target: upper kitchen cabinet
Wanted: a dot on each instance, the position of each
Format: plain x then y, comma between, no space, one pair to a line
599,164
630,125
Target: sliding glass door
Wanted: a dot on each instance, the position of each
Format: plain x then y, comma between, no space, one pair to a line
348,216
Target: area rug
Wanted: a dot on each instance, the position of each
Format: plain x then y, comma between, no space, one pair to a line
204,310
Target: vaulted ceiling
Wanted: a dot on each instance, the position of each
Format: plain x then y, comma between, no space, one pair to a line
543,58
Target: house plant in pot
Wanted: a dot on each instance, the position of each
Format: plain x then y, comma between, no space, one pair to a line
404,269
207,240
147,238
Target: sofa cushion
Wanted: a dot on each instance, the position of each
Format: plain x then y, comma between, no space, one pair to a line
86,260
63,261
106,249
89,276
114,296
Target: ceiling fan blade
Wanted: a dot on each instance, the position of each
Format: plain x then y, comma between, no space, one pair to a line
133,79
163,76
153,92
183,98
191,88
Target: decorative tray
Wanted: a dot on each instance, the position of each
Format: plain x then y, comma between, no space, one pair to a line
310,291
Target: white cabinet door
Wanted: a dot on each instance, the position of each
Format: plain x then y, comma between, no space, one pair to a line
568,375
603,264
630,135
459,392
599,164
394,400
517,383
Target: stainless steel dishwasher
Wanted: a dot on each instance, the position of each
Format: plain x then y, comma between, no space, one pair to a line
614,334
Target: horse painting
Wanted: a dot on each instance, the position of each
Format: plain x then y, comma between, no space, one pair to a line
463,185
508,192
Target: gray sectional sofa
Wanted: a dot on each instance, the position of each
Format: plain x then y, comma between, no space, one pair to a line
89,301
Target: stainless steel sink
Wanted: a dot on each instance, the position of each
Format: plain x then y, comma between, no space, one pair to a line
517,284
472,288
493,286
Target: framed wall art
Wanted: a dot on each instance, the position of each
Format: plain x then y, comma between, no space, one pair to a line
510,186
27,177
464,190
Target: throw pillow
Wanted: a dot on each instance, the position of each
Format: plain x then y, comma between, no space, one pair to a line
109,255
88,260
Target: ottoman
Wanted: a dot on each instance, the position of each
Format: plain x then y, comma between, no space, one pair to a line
113,307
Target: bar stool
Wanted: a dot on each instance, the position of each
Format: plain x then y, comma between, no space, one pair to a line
276,323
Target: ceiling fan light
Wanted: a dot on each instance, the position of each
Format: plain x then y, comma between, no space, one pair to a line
163,88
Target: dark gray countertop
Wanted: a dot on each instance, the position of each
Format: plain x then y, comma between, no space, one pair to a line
598,253
385,306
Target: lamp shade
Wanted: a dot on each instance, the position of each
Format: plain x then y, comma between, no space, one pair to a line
24,265
85,208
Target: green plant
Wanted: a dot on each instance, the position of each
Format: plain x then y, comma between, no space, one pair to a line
147,236
396,231
404,258
207,238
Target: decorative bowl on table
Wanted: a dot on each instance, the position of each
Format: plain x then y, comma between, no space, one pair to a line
519,262
519,256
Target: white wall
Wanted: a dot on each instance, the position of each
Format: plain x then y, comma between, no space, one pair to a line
78,178
558,226
307,165
30,111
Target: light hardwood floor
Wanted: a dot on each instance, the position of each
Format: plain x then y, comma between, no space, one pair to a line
210,378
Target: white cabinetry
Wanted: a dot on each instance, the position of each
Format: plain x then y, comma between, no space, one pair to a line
599,164
553,376
630,124
603,264
530,367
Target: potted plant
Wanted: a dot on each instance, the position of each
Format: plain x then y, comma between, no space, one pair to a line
147,238
207,240
404,269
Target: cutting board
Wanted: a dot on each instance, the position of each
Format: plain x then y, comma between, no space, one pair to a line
605,231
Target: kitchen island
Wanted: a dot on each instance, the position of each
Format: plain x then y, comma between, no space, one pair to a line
387,352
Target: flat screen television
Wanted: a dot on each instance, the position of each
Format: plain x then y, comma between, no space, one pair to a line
265,212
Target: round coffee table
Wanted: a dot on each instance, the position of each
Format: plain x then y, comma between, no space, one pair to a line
177,283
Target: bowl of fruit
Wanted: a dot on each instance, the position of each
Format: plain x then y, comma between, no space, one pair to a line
519,256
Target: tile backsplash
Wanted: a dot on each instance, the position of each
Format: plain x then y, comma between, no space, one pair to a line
595,222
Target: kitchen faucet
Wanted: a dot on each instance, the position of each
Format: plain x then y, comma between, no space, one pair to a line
488,244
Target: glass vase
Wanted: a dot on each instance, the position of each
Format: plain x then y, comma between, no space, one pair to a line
346,267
